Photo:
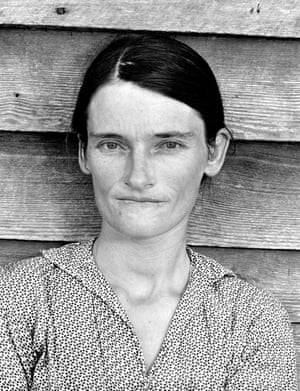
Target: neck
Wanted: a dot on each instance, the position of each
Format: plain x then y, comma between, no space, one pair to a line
143,267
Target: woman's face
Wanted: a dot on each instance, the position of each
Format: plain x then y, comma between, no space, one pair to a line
146,154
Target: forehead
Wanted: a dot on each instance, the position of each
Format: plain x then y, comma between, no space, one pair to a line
126,108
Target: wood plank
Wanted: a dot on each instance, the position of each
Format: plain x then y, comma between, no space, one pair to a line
245,17
15,250
253,203
40,74
277,271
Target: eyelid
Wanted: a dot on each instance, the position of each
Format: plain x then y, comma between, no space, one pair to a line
121,144
111,141
177,142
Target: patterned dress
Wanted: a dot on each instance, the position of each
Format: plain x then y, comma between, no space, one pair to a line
63,328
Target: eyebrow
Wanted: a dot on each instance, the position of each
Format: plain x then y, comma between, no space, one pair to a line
106,135
174,134
169,134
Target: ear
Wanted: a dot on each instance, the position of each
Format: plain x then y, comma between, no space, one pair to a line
217,153
82,159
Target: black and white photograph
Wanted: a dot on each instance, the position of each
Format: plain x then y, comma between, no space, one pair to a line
149,195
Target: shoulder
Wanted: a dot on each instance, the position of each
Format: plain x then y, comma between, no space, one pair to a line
23,296
249,326
24,284
27,288
249,319
237,297
22,276
30,271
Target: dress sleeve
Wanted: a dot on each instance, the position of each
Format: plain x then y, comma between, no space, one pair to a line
21,329
267,359
12,374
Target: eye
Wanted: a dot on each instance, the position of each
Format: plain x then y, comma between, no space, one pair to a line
171,145
109,146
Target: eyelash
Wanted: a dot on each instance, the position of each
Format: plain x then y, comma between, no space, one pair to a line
174,143
104,144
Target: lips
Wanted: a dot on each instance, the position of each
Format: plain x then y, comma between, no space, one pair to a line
139,199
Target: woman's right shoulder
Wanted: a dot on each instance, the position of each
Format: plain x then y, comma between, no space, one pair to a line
24,310
23,282
24,272
25,285
26,288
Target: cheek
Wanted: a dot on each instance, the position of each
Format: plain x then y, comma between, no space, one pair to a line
186,176
105,173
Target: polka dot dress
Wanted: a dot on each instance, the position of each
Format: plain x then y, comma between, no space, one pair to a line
62,328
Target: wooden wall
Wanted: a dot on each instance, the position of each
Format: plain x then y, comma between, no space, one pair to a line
249,216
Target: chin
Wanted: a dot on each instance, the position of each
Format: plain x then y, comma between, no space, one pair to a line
145,223
138,230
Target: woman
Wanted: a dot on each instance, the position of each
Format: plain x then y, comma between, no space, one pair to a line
135,308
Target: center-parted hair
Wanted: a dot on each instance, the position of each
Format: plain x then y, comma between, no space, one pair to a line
157,63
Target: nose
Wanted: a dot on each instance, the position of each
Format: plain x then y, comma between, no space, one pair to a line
139,170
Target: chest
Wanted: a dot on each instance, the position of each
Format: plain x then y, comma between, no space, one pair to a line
91,343
106,351
151,323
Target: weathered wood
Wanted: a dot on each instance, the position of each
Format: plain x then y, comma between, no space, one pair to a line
40,74
266,18
277,271
254,202
15,250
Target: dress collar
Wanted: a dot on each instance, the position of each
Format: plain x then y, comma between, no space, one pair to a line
77,260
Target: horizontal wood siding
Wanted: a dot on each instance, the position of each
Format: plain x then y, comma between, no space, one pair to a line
253,202
15,250
40,74
277,18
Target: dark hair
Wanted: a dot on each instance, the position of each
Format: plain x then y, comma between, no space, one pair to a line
158,63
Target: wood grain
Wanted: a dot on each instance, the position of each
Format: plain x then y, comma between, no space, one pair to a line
265,18
40,74
15,250
253,203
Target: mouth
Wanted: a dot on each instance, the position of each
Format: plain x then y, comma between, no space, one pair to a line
140,200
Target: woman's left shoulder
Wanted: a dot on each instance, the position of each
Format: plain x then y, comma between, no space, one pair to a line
237,294
252,301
